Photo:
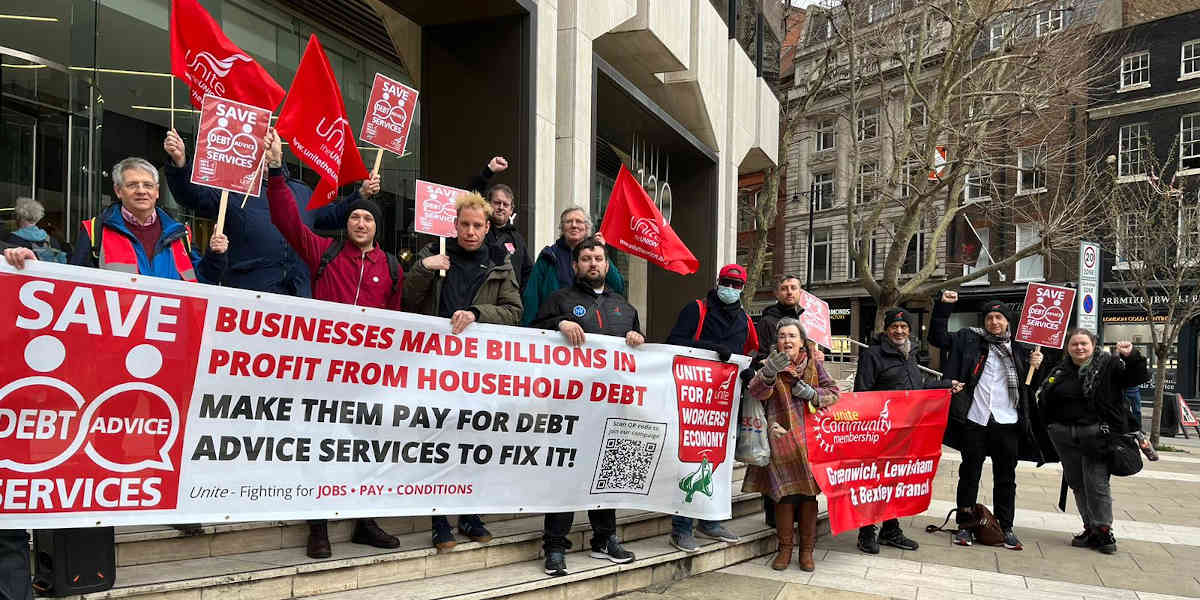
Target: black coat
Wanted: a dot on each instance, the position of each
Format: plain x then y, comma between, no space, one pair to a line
882,367
768,324
726,328
967,351
606,313
1107,399
507,239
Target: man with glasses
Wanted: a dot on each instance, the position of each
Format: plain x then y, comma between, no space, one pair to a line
503,234
554,268
718,323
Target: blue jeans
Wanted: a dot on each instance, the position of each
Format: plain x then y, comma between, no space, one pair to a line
684,524
1134,396
14,565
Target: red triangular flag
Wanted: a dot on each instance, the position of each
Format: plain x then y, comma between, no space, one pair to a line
633,223
209,63
313,121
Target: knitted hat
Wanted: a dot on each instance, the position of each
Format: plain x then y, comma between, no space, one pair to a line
369,206
995,306
895,315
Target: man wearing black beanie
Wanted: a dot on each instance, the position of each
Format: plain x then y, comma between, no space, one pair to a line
991,415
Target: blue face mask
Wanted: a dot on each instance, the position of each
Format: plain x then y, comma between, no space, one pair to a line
727,294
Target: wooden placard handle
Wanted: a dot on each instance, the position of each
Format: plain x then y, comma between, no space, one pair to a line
1029,376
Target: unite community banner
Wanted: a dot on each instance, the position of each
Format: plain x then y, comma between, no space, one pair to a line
135,400
875,454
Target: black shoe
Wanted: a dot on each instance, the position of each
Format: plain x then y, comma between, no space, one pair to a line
367,532
556,564
188,528
1084,539
443,538
612,550
867,542
1104,540
472,527
1010,540
896,539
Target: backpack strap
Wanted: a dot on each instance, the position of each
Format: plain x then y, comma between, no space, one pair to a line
700,322
95,232
393,271
326,257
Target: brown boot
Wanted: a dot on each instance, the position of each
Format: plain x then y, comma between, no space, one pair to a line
318,540
785,515
806,516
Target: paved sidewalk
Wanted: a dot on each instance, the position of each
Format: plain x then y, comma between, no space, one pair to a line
1157,527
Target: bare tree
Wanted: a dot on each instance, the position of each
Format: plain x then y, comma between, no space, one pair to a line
995,85
1155,235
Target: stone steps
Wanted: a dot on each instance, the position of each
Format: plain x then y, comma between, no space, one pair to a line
235,566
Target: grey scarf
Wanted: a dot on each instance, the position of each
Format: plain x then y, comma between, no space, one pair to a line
998,346
904,349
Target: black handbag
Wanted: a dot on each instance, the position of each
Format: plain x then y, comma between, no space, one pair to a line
1124,457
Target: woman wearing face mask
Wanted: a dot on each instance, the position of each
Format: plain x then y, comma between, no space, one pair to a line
1082,402
790,379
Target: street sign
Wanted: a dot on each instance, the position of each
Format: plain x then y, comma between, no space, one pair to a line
1087,312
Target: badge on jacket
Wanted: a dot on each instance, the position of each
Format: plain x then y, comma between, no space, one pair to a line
511,248
579,310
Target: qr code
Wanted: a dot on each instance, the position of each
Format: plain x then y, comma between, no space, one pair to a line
628,456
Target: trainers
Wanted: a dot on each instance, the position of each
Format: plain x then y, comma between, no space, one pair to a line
717,531
556,564
964,537
1084,539
684,541
1010,540
443,539
1104,540
1146,446
896,539
867,542
612,550
472,527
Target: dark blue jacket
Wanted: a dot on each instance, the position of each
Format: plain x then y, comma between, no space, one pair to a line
259,258
726,328
162,264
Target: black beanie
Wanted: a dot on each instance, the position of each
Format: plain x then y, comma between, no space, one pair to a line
895,315
995,306
369,206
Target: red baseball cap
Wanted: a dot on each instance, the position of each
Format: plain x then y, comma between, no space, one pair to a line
733,271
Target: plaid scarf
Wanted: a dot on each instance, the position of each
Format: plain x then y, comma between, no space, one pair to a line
998,346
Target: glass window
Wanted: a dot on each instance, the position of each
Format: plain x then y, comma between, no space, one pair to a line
747,207
996,37
984,234
868,123
1030,268
865,190
826,135
915,257
1135,71
917,115
1189,231
879,11
908,179
821,251
1050,20
1189,58
978,186
823,183
1133,156
1189,141
851,263
1031,174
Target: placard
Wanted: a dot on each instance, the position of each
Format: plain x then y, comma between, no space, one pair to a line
229,145
1045,315
436,209
816,319
389,114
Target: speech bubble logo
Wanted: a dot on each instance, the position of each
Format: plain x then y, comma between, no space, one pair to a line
112,429
36,424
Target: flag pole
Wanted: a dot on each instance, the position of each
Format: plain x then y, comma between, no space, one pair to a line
172,101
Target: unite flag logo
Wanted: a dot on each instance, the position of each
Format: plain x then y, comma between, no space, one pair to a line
197,45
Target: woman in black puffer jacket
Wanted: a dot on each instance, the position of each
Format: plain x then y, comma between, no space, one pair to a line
1082,403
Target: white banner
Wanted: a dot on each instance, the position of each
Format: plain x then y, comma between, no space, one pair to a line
136,400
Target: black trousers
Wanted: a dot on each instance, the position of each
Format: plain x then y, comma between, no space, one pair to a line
1001,442
14,565
558,526
889,526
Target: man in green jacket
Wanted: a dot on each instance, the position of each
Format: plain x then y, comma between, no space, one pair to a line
479,285
554,269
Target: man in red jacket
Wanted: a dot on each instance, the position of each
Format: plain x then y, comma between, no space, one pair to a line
354,271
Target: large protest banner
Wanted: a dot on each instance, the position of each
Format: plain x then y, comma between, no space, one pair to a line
136,400
875,454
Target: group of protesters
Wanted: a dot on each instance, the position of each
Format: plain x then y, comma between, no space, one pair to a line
486,275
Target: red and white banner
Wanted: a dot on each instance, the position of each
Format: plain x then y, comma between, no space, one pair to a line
875,454
209,63
1045,315
436,208
139,400
314,122
815,319
634,224
390,111
229,146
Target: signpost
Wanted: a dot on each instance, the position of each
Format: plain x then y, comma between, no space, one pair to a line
1044,317
229,149
389,117
1087,312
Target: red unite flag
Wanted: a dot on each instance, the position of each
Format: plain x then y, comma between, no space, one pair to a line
634,224
313,121
209,63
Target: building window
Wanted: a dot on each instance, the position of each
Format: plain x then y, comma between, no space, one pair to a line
1189,231
1189,59
1127,250
865,191
852,244
829,29
1031,171
915,257
1132,157
978,187
1030,268
879,11
823,186
997,33
747,209
984,234
826,135
1189,142
917,115
1135,71
907,179
821,246
1050,21
868,123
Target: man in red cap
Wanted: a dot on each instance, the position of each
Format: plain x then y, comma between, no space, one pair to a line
716,322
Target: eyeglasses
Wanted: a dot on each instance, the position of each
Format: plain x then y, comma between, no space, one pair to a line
140,185
733,283
575,222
